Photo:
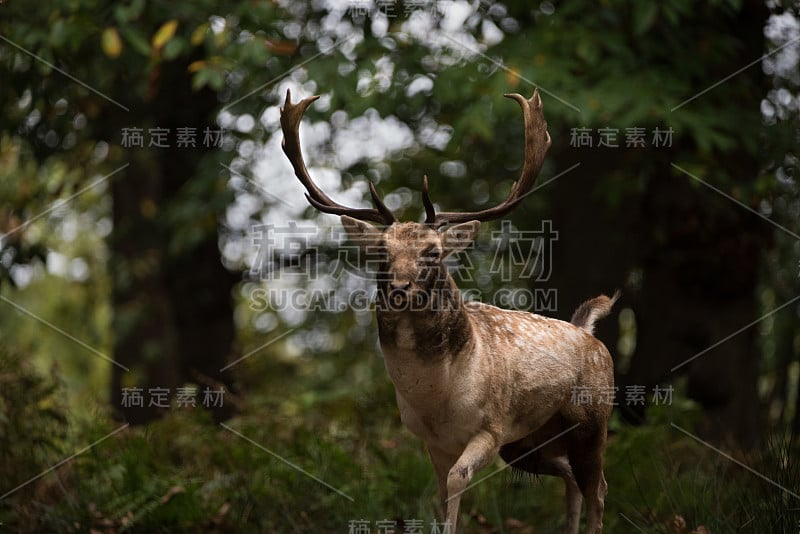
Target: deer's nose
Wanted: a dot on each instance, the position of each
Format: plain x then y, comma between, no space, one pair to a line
399,285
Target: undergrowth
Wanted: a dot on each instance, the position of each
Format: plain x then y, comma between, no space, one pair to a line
186,473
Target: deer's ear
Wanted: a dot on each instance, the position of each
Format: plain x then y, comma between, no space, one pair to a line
361,233
458,237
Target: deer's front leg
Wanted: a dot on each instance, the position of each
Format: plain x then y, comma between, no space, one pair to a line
479,451
442,462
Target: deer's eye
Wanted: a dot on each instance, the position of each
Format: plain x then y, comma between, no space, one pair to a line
433,254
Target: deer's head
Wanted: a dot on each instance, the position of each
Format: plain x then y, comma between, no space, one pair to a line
411,266
413,253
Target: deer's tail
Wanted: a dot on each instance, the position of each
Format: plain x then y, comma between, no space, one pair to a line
593,310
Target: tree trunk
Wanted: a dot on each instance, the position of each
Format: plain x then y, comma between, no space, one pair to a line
173,314
686,257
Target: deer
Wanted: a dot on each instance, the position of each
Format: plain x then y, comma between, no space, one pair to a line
472,380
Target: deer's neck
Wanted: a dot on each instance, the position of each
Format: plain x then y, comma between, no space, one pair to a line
439,329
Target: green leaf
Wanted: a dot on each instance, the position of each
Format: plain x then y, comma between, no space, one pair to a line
200,79
216,79
136,40
174,48
127,13
644,15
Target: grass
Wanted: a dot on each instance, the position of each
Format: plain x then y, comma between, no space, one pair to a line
187,473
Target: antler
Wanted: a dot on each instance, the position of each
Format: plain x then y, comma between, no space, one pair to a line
537,141
291,114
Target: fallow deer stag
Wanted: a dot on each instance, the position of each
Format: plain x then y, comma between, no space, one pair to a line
473,380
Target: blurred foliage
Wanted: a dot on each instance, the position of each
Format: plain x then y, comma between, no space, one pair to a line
33,420
61,135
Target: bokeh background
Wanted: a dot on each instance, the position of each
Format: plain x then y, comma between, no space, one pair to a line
142,187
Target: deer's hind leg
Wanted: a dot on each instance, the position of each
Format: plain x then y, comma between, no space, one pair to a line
531,456
559,466
586,461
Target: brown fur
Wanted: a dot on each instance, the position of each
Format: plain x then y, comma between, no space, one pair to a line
473,381
593,310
